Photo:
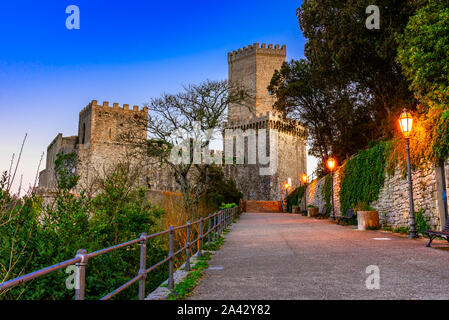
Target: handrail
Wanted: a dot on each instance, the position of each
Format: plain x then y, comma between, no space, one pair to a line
220,221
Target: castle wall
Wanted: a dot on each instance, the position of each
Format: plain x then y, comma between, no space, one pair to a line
285,148
60,144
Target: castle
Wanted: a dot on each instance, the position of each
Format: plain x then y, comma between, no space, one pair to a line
99,126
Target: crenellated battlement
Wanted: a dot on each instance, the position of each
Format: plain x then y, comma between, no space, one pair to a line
257,49
270,119
114,106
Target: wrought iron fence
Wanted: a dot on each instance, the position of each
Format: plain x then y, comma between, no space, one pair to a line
215,224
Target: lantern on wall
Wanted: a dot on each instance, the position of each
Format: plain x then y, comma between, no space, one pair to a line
304,178
331,163
406,123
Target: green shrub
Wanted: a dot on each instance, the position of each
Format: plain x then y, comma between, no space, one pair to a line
421,221
224,206
404,230
219,189
296,196
326,192
117,214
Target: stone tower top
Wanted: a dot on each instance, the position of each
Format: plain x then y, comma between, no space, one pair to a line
257,49
253,67
105,123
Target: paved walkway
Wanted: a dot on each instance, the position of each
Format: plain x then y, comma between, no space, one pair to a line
285,256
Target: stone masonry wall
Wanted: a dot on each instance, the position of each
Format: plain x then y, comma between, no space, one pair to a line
314,194
393,201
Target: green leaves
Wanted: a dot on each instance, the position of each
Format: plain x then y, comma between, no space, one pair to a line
363,176
424,48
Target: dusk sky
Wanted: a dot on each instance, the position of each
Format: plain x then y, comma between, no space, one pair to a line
125,52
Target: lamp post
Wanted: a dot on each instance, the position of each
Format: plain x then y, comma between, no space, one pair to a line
284,197
406,123
331,164
304,180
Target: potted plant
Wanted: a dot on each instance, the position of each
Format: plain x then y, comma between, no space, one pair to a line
296,209
312,211
367,217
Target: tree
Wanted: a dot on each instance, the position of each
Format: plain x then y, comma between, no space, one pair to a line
180,128
219,190
344,50
424,55
345,54
424,49
337,119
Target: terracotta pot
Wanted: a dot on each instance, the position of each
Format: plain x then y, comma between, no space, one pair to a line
312,212
368,220
296,210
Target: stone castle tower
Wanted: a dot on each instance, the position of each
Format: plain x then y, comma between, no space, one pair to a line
98,145
279,155
253,68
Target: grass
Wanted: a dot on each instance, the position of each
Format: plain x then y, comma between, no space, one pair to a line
185,288
403,230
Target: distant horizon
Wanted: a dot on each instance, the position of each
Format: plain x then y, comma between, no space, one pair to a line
121,53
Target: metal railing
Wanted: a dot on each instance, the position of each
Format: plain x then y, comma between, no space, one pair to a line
216,224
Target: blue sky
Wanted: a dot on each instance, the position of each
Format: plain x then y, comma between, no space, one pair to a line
125,51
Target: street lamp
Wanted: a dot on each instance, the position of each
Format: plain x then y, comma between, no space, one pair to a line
304,180
331,165
406,123
284,196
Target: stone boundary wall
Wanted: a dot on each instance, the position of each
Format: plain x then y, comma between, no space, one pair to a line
314,194
393,201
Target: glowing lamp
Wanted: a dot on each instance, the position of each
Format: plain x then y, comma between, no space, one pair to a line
286,186
304,178
331,164
406,123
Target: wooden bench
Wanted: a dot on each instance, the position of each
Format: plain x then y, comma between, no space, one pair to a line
433,234
347,217
322,214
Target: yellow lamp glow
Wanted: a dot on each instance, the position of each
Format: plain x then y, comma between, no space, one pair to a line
304,178
406,123
286,185
331,164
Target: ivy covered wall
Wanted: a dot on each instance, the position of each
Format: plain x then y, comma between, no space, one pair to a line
369,179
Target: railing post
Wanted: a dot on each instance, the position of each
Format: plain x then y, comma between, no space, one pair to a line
220,223
214,228
200,241
81,274
208,232
187,266
225,218
143,265
171,284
